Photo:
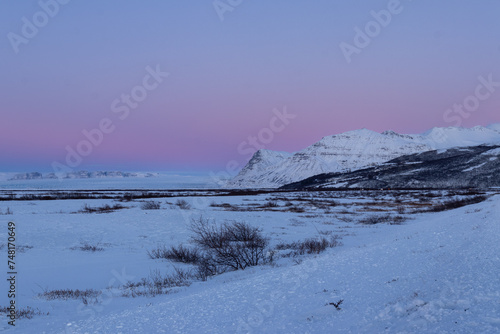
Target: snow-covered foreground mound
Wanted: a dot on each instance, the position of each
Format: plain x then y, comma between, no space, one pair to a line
438,273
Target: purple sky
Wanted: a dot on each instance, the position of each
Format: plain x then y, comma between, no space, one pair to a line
227,76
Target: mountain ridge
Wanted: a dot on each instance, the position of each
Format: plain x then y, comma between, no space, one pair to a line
354,150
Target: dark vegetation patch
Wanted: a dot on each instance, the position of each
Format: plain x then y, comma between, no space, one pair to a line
65,294
24,313
309,246
106,208
151,205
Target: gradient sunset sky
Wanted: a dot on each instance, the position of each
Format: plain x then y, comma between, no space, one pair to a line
230,65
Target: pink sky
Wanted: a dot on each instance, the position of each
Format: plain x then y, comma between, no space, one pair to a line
227,77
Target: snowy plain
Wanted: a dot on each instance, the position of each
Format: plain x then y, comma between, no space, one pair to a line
433,273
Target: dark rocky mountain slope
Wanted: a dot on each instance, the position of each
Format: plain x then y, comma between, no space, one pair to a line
466,167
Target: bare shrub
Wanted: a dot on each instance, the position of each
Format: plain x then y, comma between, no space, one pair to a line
158,284
230,246
397,220
310,246
177,254
226,206
26,313
381,219
183,204
207,267
151,205
270,204
106,208
375,219
89,247
160,252
66,294
183,254
296,209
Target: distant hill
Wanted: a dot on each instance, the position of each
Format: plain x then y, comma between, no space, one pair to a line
79,175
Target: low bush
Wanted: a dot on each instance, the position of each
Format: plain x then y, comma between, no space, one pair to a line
310,246
151,205
177,254
375,219
66,294
397,220
183,204
296,209
26,313
89,247
381,219
106,208
226,206
230,246
158,284
270,204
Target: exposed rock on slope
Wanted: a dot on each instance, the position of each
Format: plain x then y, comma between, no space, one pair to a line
471,167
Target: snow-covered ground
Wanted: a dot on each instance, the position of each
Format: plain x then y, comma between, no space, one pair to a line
435,273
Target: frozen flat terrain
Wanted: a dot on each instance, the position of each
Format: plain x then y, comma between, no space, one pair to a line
432,272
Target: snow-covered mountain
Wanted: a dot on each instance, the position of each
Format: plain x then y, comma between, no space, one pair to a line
351,151
261,160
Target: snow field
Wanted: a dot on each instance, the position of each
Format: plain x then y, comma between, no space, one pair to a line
436,273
